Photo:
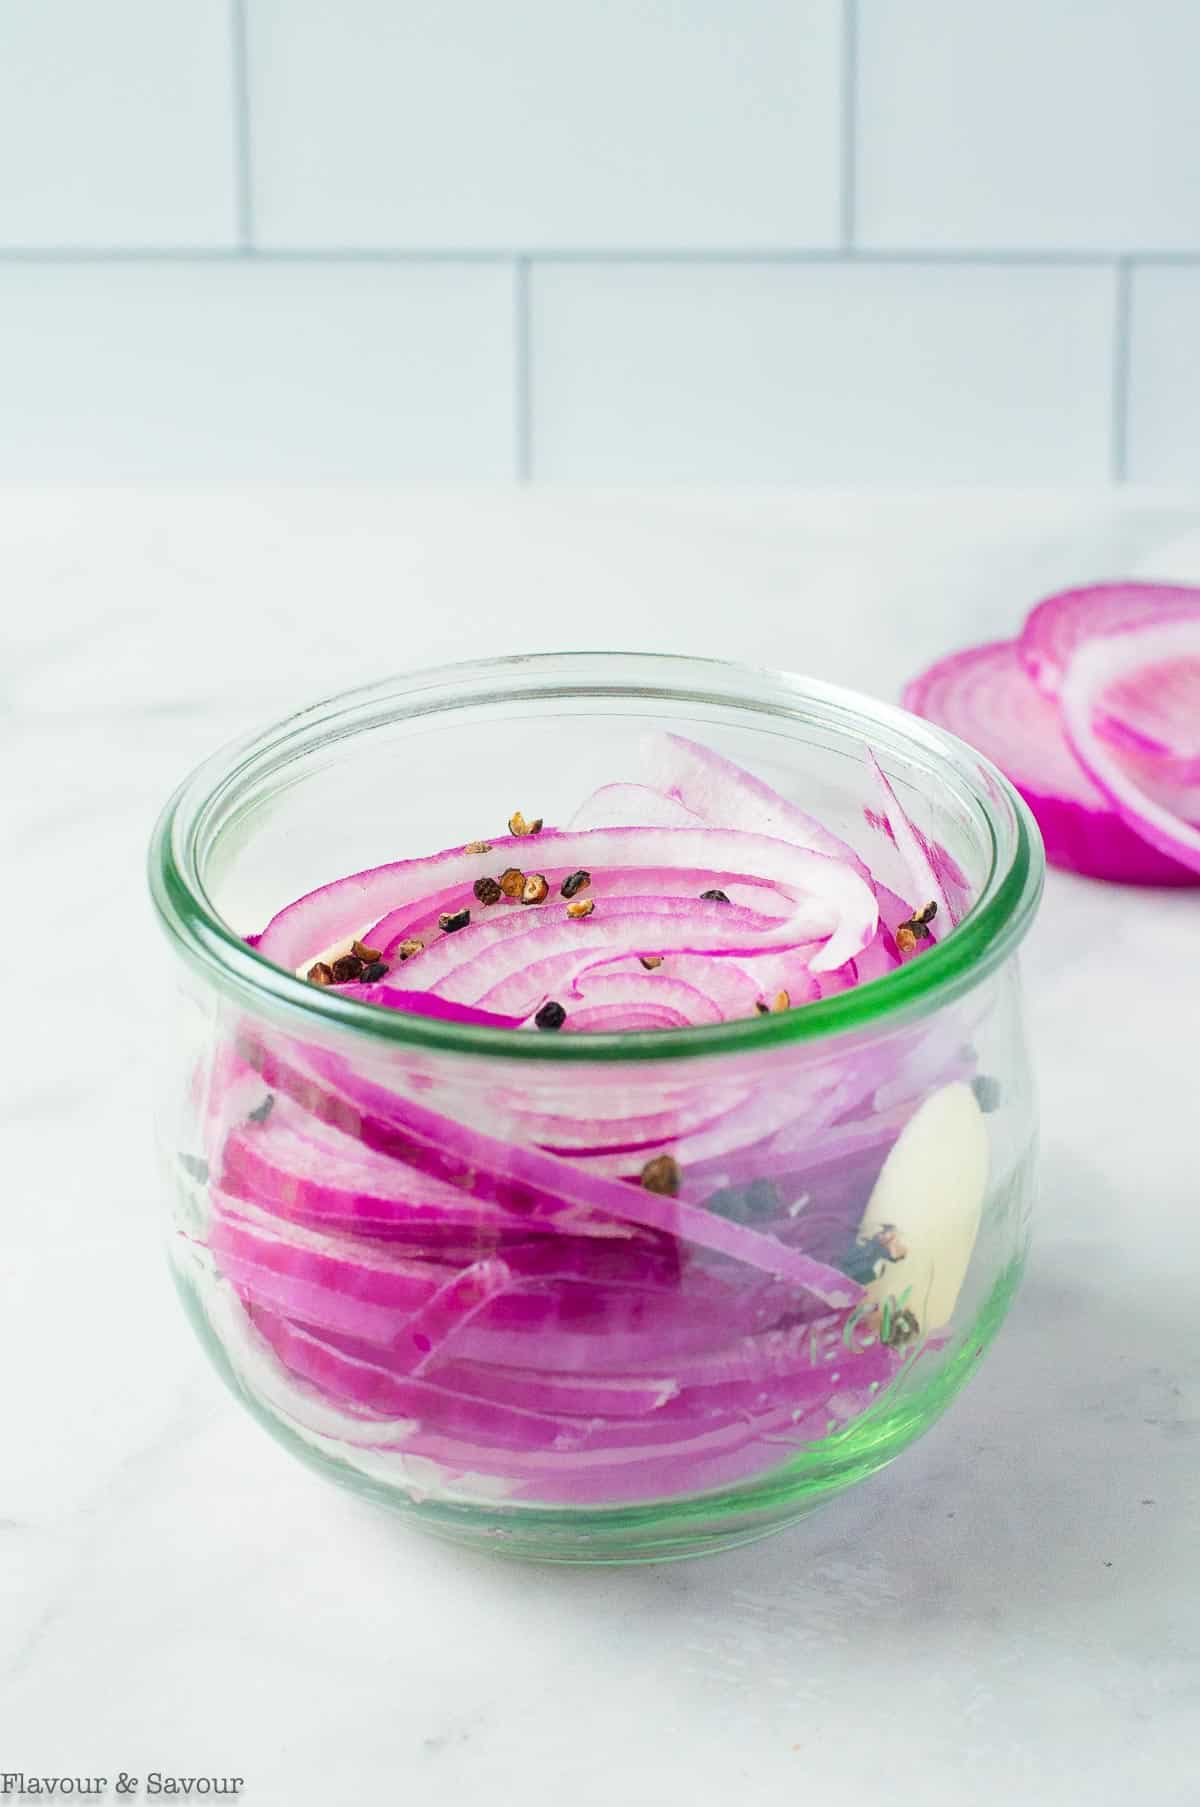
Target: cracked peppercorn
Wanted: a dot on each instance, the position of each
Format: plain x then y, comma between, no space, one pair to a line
320,974
347,969
582,907
453,920
650,961
478,847
898,1328
408,948
520,827
368,955
512,881
550,1016
374,972
535,889
916,928
713,896
578,881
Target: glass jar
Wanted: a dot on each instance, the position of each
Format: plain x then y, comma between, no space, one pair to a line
403,1240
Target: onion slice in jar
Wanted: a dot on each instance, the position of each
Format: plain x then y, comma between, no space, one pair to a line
550,1188
1172,651
925,885
718,791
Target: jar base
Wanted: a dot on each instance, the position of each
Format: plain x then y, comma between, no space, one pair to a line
662,1531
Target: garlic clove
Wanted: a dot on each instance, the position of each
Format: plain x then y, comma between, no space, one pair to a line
928,1201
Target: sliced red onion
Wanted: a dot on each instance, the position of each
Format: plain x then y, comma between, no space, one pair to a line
1097,669
1152,712
424,1338
1142,717
830,900
985,696
720,792
428,1003
300,1167
924,884
1058,626
550,1189
592,1396
513,1312
633,806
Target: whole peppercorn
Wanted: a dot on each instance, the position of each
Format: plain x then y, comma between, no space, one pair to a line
578,881
662,1175
550,1016
373,973
347,969
487,891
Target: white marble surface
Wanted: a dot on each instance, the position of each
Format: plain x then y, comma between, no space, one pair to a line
1008,1614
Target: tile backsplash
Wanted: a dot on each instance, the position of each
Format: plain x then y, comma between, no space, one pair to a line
824,241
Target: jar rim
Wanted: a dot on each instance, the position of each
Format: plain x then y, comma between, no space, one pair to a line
990,930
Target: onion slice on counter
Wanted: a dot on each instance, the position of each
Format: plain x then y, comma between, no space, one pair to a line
1163,658
986,696
1138,717
1057,626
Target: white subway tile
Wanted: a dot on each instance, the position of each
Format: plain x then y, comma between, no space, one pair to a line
116,123
632,124
1028,124
1164,375
824,373
230,370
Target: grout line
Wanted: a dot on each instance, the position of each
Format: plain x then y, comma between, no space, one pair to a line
850,255
522,373
1122,347
239,42
849,123
131,254
1159,257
